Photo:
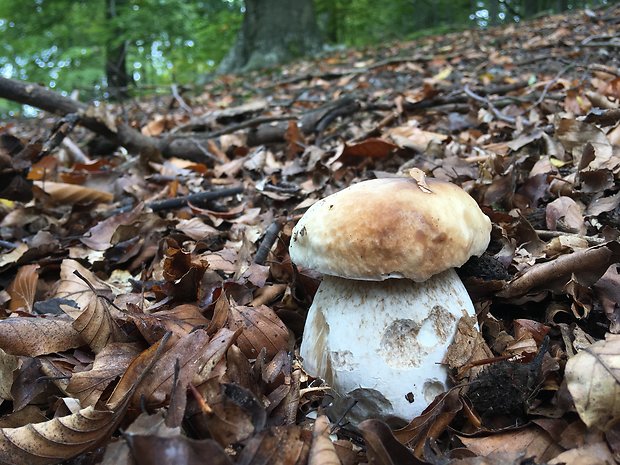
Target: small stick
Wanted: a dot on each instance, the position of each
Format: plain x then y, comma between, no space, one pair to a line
177,202
544,235
268,240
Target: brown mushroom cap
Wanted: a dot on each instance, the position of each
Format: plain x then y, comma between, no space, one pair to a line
390,228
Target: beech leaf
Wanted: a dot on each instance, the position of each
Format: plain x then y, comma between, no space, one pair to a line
111,362
261,329
23,288
38,335
58,439
70,194
593,379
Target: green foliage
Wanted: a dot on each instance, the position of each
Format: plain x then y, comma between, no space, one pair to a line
62,43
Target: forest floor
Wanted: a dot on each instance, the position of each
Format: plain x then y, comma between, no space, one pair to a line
139,330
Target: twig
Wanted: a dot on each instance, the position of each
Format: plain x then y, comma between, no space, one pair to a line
268,240
544,235
179,99
177,202
498,114
205,152
250,124
548,86
8,245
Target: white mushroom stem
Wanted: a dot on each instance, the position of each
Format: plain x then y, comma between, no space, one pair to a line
382,342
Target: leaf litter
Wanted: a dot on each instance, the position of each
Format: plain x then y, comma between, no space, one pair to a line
150,306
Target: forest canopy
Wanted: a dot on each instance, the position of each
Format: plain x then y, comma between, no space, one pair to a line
71,44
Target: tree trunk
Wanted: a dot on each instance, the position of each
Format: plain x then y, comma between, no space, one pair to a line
116,56
273,31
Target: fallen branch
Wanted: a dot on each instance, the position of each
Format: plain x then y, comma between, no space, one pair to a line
119,133
178,202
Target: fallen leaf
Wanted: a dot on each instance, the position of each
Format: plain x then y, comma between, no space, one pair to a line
23,288
261,328
527,442
593,380
38,335
110,363
58,439
281,445
70,194
322,451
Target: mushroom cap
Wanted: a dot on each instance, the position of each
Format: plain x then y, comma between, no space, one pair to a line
390,228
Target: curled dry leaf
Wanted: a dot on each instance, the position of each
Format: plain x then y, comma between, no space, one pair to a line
148,440
93,319
433,421
179,320
58,439
72,287
467,347
23,288
564,214
96,325
322,451
593,380
383,448
100,236
184,356
587,266
110,363
281,445
529,442
261,329
38,335
71,194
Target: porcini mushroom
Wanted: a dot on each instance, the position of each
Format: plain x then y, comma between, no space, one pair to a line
390,300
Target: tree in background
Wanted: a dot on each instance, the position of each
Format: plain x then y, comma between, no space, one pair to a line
118,79
273,31
89,45
101,47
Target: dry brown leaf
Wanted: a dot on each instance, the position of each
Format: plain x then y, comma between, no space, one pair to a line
383,448
23,288
72,287
261,329
9,258
179,320
38,335
593,379
590,454
196,229
194,354
110,363
432,422
8,364
99,237
529,442
586,265
373,148
181,360
281,445
148,441
415,138
564,214
71,194
322,451
467,347
58,439
420,179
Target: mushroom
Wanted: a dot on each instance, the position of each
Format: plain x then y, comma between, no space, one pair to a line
389,302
